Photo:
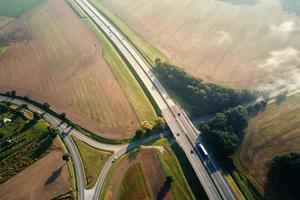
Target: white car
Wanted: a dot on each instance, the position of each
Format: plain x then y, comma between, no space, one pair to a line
114,159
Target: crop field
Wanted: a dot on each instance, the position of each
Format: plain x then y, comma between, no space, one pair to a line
274,132
235,43
151,176
53,57
51,180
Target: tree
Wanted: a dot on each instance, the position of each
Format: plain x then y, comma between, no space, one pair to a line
146,127
46,106
24,106
284,174
36,116
65,157
62,116
13,93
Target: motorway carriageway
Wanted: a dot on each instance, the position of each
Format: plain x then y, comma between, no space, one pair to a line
185,133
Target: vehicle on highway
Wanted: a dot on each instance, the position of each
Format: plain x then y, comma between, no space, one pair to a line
114,159
178,134
203,152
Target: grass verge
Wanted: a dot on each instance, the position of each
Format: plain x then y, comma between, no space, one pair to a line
93,161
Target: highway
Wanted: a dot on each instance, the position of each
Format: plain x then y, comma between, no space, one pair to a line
182,128
65,132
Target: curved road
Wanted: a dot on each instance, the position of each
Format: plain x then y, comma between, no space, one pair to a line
65,131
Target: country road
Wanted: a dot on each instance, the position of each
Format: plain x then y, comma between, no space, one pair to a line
65,132
182,128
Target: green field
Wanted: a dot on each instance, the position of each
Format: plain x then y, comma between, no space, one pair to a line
149,52
93,161
133,184
22,141
15,8
127,81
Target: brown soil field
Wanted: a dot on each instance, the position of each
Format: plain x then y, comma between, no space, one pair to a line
51,180
238,43
274,132
152,171
53,57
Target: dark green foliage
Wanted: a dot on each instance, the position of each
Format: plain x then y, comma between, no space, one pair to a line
28,141
283,180
225,130
204,98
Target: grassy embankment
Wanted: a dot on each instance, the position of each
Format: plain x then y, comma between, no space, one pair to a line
15,8
93,161
122,73
133,184
271,133
22,141
149,52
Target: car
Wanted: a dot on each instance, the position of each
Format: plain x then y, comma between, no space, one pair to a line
179,114
114,159
178,134
192,151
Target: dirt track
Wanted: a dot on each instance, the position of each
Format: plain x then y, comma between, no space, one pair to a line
152,171
247,43
45,179
53,57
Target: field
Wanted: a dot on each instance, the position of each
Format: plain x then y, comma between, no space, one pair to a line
133,184
274,132
93,161
235,43
51,180
15,8
63,59
152,172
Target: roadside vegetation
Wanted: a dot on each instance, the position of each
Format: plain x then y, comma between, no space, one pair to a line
15,8
133,184
149,52
135,94
93,161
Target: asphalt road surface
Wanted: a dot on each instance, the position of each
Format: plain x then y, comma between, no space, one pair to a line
212,181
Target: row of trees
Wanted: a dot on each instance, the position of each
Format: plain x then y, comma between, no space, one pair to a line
204,98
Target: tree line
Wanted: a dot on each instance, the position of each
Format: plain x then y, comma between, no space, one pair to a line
203,97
